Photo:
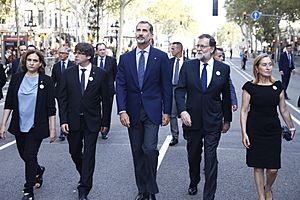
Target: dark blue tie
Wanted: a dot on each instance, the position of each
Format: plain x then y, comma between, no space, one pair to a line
101,62
204,78
141,68
82,81
63,66
176,73
290,60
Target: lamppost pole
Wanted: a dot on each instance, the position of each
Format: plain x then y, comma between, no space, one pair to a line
17,22
115,29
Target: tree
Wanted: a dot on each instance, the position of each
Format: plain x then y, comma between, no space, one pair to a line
177,15
5,6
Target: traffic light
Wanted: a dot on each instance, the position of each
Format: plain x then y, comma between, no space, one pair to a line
244,15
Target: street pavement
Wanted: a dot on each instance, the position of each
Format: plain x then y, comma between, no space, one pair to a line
114,175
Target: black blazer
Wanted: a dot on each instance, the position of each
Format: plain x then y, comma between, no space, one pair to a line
284,63
44,108
16,66
2,80
207,109
72,103
110,65
56,74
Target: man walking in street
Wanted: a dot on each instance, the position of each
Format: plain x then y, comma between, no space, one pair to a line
83,89
286,68
144,99
57,70
110,65
175,64
203,101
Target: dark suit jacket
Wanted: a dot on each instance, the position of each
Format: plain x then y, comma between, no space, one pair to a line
16,66
72,103
2,79
207,109
156,94
56,74
45,105
172,60
284,63
110,65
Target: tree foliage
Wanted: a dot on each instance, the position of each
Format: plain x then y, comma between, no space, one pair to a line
5,6
265,27
169,15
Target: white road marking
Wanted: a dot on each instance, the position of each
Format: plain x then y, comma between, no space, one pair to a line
163,150
7,145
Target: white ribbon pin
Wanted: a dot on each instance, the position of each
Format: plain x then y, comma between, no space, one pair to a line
218,73
91,78
274,87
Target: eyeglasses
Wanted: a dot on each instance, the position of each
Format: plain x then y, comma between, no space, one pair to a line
270,64
202,46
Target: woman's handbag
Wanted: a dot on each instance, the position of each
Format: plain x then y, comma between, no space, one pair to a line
286,133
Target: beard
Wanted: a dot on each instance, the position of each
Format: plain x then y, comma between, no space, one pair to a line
200,56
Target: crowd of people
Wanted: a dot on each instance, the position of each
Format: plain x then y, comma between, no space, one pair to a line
151,90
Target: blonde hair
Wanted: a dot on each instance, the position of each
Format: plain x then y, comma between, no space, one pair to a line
256,63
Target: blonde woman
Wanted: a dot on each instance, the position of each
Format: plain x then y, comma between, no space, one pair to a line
261,128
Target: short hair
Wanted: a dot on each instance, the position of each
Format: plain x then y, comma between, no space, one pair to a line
22,45
41,58
146,22
85,48
101,43
219,49
31,45
289,45
212,41
178,44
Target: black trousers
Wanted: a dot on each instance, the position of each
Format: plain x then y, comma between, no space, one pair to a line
196,139
28,147
285,82
82,147
143,140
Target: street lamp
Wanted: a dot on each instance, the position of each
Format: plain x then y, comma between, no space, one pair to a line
30,23
115,29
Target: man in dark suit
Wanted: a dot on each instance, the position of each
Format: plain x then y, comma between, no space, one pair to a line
175,64
110,65
144,99
83,89
58,69
2,80
16,64
203,101
286,67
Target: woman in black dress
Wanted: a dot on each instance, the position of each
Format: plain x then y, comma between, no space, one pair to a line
261,129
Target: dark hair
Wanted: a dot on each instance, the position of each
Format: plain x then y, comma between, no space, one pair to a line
146,22
288,45
178,44
41,58
219,49
85,48
21,45
31,45
101,43
212,41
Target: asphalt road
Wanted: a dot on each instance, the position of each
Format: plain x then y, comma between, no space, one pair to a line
114,176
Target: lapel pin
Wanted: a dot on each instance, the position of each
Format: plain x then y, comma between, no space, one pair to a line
42,86
154,58
274,87
218,73
91,78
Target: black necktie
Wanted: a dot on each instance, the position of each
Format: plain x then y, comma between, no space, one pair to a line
82,81
141,68
101,62
204,78
176,73
63,66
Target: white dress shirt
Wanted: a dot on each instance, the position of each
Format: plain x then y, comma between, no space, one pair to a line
86,73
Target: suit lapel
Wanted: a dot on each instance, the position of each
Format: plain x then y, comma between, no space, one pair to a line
133,67
90,79
75,75
196,73
150,64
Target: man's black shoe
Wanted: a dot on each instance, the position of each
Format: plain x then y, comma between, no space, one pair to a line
173,142
61,137
104,136
141,196
193,190
152,197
